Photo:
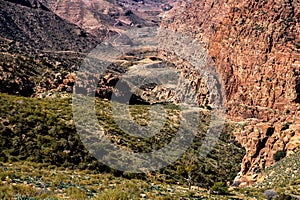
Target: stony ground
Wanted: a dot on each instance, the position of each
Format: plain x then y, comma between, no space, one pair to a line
25,180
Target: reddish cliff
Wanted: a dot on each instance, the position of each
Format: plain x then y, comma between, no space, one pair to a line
256,48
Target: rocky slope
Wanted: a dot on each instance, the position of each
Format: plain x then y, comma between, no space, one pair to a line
30,3
107,17
255,46
35,45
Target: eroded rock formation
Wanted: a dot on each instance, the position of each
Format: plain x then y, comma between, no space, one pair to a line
255,46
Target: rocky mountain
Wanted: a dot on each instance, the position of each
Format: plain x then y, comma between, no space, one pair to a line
256,48
36,44
105,17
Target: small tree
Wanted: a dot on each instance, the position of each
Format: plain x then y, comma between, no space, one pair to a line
188,167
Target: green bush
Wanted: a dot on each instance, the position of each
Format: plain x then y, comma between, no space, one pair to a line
285,126
219,188
279,155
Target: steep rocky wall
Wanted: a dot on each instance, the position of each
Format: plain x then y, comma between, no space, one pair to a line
255,46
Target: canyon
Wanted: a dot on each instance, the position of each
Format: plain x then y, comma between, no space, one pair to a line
254,45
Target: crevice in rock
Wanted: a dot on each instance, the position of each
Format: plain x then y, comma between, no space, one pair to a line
297,87
261,144
270,131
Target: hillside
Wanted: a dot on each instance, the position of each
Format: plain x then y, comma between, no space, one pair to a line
102,17
42,131
35,45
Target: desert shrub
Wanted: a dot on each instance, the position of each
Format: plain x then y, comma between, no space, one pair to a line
113,194
285,197
219,188
285,126
279,155
75,193
6,192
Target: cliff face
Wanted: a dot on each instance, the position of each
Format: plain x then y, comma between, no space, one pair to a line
256,49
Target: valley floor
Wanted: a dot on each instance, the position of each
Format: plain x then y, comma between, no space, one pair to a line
26,180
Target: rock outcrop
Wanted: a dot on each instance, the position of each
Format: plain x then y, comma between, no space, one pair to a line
256,48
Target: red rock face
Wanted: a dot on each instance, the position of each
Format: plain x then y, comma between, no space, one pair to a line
256,49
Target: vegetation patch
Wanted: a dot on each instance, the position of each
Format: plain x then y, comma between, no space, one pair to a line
43,131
